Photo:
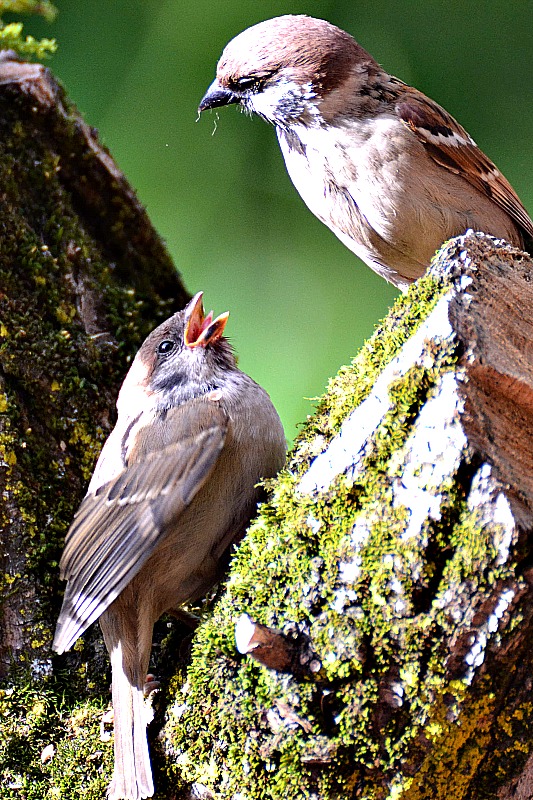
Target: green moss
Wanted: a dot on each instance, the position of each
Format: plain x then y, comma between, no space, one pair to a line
47,751
11,34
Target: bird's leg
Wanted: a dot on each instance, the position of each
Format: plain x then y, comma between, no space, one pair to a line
191,620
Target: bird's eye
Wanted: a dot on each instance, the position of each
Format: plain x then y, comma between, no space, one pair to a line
249,82
166,347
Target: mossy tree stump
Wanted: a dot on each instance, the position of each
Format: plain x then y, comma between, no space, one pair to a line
396,550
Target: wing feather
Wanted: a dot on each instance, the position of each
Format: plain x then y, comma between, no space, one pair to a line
450,145
118,527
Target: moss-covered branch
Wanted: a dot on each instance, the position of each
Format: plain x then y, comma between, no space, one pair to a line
11,34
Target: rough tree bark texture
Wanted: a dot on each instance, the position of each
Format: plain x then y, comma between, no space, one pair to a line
83,278
396,553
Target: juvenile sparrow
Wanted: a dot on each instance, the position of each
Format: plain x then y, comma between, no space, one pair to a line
175,485
388,170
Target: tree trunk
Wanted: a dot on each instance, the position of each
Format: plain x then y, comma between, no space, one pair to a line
83,278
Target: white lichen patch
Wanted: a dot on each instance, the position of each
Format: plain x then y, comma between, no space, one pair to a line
417,472
430,457
492,507
349,571
476,655
345,453
313,523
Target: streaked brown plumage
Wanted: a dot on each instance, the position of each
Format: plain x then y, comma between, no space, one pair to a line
388,170
174,486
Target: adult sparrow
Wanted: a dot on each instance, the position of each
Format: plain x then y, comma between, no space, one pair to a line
174,487
385,167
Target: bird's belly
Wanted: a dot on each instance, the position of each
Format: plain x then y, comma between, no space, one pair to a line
187,562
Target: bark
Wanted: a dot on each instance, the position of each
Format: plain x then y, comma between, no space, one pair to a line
399,544
83,278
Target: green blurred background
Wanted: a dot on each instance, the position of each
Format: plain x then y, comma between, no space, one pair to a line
301,304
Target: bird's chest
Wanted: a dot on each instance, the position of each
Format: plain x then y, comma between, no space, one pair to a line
134,427
359,167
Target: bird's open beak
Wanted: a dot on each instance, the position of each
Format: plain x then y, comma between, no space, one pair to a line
217,96
199,330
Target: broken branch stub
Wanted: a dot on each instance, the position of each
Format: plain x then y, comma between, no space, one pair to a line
277,650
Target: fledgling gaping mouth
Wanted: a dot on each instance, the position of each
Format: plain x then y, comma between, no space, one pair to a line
202,330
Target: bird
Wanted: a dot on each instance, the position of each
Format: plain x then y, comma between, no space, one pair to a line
174,487
386,168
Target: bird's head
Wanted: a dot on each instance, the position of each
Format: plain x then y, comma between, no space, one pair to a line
185,356
287,70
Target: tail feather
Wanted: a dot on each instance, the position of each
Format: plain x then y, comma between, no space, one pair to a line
132,777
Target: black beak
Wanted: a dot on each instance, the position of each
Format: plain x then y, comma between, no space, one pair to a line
216,96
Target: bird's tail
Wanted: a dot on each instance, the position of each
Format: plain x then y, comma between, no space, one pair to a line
132,776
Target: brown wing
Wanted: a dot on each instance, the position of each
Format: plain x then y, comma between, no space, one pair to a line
117,528
449,145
